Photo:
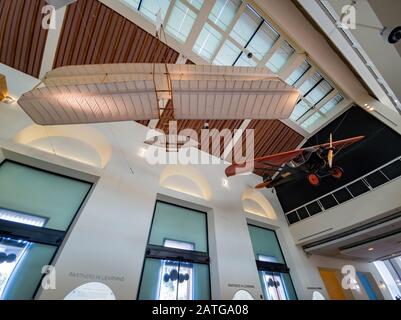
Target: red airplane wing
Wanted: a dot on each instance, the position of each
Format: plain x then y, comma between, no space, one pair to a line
274,161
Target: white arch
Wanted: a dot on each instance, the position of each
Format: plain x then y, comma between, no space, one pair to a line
80,143
91,291
186,179
255,202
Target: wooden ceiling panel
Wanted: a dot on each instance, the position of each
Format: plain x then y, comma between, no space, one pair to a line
270,137
93,33
22,38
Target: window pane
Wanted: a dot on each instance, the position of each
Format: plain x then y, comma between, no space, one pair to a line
21,274
174,280
244,61
308,123
310,83
319,92
180,224
331,104
246,26
264,243
31,191
181,21
223,12
196,3
263,40
298,73
207,42
133,3
150,8
299,110
277,286
280,57
227,54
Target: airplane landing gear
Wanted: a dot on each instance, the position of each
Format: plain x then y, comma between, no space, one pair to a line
313,179
337,172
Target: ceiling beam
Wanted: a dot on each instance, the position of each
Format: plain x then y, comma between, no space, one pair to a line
52,43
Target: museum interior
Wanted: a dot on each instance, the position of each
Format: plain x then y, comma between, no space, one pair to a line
200,150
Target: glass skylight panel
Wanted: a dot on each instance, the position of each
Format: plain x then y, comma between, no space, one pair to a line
132,3
331,104
244,61
308,123
246,26
207,42
319,92
181,21
227,55
263,40
280,57
150,8
301,108
196,3
224,12
298,73
310,83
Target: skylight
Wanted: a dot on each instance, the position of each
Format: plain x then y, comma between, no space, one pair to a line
309,83
318,93
331,104
207,42
298,73
223,12
228,54
262,41
246,26
244,61
280,57
301,108
232,32
181,21
150,8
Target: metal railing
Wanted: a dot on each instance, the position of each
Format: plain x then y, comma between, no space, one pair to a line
302,212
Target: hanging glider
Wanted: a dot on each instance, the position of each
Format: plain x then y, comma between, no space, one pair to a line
314,163
138,91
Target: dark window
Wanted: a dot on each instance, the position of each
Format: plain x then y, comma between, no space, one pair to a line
302,213
342,195
328,202
376,179
357,188
292,217
313,208
393,170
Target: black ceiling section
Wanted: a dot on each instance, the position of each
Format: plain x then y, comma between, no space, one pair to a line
381,145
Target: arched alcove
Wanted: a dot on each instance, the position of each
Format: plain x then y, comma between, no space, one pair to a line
91,291
79,143
186,179
255,202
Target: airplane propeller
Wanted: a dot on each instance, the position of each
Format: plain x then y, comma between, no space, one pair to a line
330,155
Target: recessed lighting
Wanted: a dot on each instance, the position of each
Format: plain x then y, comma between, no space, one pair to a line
142,152
365,104
371,249
371,109
8,100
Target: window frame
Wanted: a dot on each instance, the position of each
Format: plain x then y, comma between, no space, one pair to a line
272,266
180,255
41,235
